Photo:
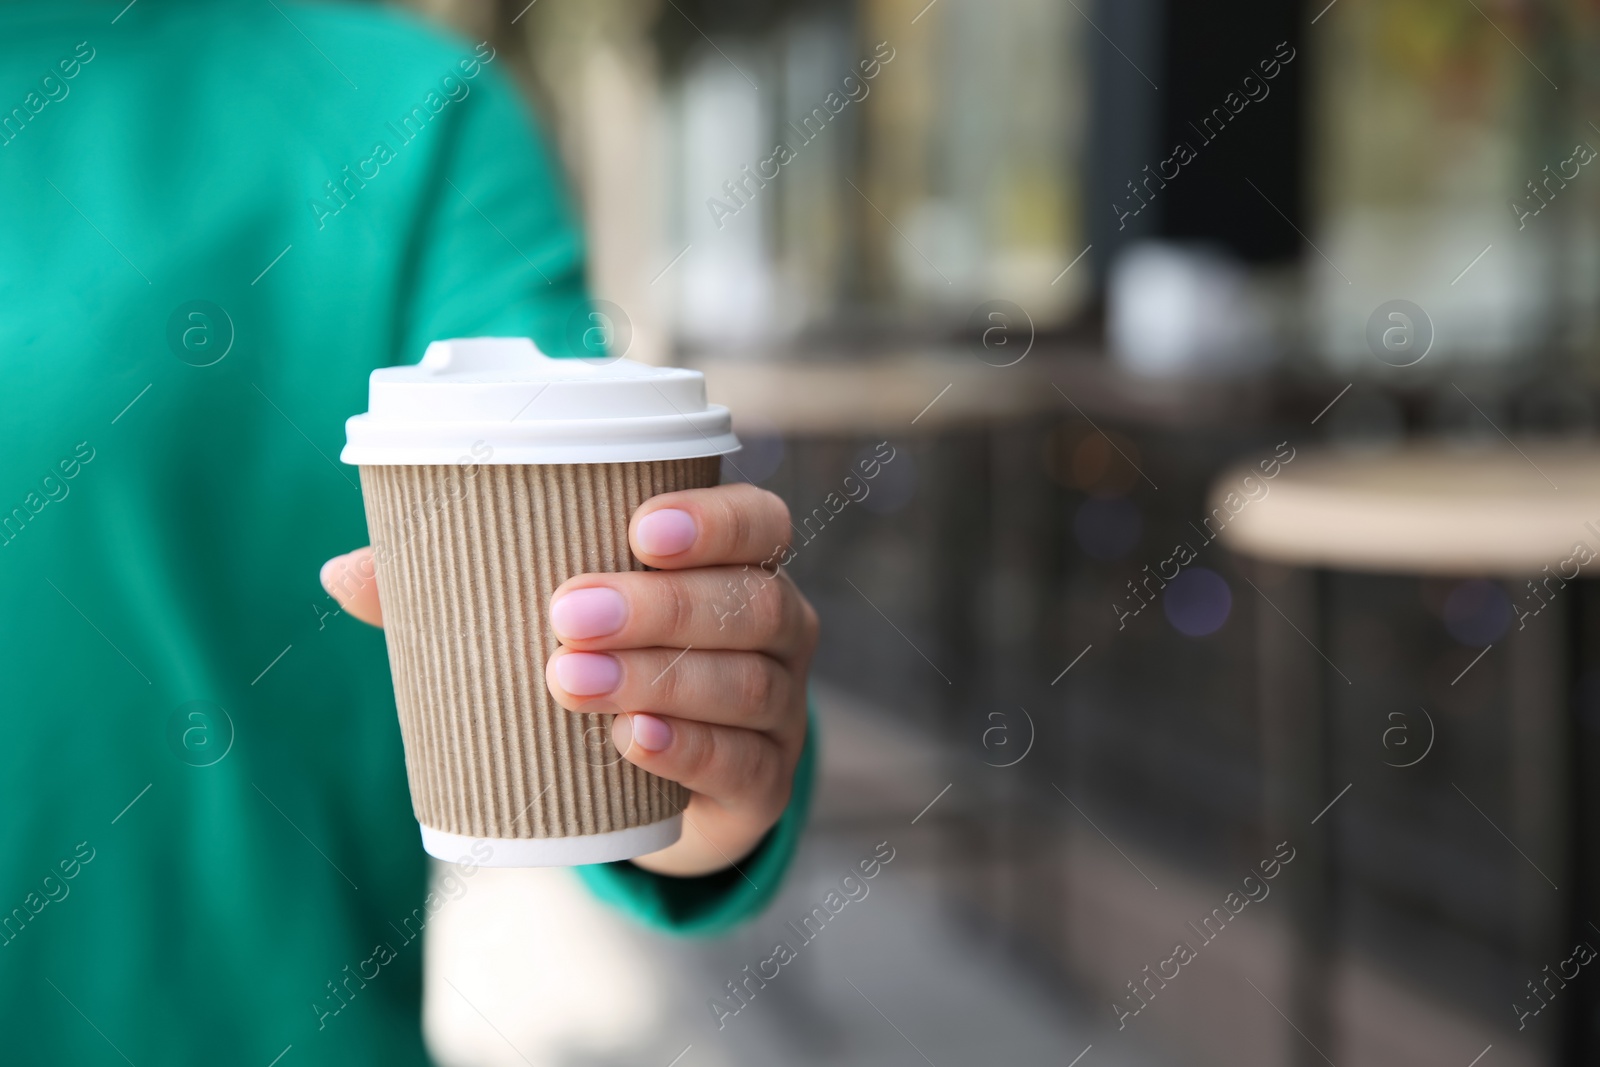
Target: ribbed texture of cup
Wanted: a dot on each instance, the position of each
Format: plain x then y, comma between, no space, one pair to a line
467,557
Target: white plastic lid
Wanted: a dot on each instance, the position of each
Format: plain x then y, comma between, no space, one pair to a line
500,400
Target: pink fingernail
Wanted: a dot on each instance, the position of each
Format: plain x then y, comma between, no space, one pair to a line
588,674
666,532
585,613
646,731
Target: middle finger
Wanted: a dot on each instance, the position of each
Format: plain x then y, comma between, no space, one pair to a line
729,688
710,607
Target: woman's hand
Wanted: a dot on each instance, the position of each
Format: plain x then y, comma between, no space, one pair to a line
707,657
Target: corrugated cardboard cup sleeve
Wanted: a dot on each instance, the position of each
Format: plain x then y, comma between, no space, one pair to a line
467,557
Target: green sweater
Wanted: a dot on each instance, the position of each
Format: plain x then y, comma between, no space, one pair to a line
219,216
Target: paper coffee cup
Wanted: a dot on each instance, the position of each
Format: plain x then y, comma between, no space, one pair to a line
491,474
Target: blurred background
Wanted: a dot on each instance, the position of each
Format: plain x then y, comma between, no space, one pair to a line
1071,260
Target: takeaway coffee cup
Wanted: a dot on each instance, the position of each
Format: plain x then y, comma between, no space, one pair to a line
491,474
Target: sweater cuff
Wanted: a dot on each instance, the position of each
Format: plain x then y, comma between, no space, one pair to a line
713,903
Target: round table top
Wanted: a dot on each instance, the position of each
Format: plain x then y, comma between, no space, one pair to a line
1500,510
927,390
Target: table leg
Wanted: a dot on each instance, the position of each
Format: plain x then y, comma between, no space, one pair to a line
1297,786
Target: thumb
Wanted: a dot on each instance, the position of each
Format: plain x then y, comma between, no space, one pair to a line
352,580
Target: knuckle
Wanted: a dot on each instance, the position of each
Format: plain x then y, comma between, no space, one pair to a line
769,616
761,770
699,757
669,687
780,518
810,621
798,620
740,775
740,529
757,685
775,504
677,607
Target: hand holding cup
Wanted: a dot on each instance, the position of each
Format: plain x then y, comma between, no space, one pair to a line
710,682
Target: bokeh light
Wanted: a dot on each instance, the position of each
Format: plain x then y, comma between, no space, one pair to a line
1078,456
1197,602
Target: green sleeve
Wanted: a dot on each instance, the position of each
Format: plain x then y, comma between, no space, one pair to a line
715,902
498,250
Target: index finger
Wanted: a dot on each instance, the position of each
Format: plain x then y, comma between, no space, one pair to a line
725,524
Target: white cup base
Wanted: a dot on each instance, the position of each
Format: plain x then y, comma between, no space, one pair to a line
553,851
